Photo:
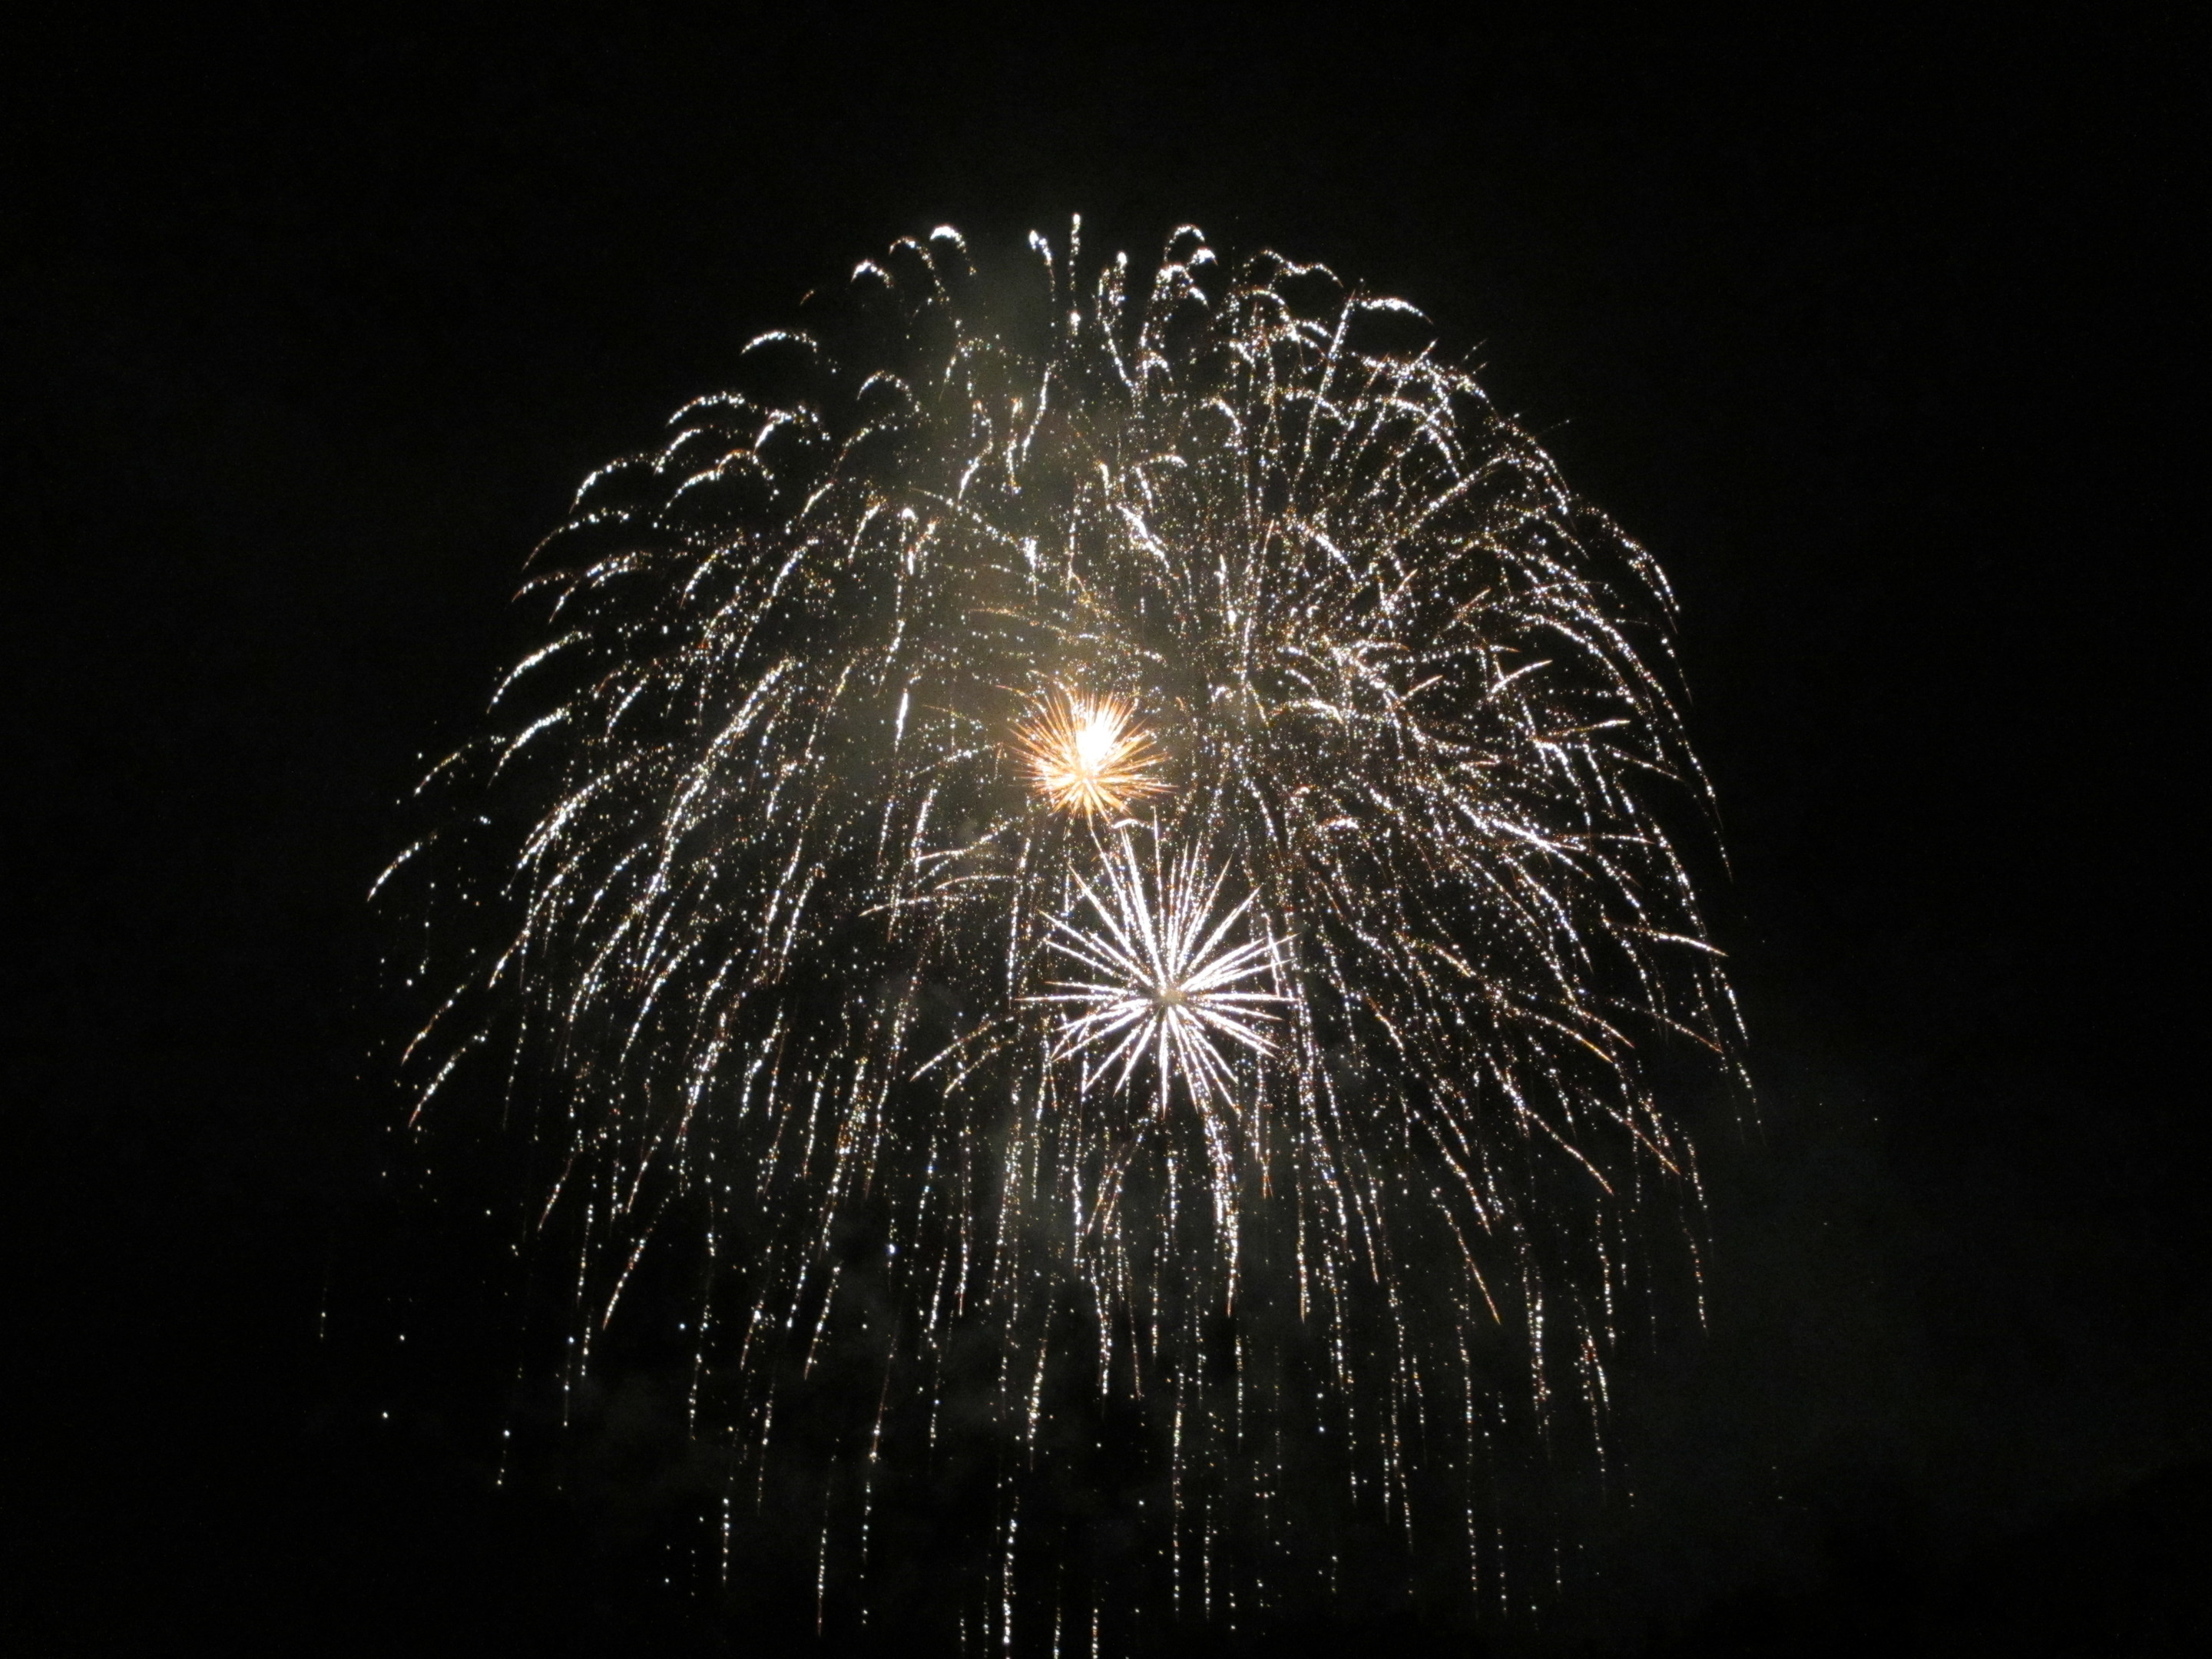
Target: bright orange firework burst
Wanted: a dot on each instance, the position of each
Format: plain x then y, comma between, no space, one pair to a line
1086,754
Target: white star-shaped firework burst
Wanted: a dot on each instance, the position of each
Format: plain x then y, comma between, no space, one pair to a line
1174,981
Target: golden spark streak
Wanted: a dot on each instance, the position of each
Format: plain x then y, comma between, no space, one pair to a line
1087,754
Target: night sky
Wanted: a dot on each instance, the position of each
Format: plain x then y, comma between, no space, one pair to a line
1876,336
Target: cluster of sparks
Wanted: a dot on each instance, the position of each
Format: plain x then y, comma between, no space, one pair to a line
829,910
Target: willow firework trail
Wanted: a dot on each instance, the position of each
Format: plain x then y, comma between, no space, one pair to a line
813,802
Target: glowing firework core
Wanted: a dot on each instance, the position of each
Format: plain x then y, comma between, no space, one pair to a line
1086,757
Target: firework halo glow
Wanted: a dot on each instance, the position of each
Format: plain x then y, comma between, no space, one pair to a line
1088,867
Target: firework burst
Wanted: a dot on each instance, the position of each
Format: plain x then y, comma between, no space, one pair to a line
1087,754
790,919
1173,984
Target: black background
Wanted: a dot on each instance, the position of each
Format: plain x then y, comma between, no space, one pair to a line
1874,334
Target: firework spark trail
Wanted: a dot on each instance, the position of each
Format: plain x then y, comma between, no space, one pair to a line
800,816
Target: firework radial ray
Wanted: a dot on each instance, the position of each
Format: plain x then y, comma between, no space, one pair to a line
832,963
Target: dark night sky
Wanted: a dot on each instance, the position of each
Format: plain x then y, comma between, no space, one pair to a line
1874,335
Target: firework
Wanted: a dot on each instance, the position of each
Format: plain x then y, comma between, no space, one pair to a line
801,835
1173,987
1085,754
